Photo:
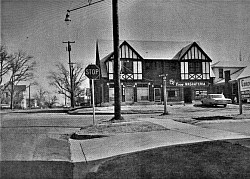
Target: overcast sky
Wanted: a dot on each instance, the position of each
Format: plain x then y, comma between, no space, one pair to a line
222,27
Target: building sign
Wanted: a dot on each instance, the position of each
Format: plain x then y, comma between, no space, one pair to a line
172,82
245,84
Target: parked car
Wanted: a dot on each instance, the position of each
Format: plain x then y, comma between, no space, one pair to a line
215,99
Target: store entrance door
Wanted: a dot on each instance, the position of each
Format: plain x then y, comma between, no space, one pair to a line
129,94
187,95
157,94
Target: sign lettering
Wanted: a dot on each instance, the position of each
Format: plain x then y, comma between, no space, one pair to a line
92,71
245,84
191,83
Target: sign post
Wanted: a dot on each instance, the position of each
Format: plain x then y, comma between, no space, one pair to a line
243,86
164,77
239,97
93,100
92,72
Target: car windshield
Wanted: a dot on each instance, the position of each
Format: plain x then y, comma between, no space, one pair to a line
216,96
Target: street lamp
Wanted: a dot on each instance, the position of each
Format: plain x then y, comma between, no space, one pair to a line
67,19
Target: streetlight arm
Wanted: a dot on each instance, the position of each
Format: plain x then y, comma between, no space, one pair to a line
84,5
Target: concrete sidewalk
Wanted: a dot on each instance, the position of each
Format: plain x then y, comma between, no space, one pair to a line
178,133
128,109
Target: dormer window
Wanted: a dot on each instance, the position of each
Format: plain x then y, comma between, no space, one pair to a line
126,66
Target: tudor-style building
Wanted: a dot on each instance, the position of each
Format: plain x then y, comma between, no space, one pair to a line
143,63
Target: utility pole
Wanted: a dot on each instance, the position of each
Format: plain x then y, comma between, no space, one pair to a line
117,83
72,98
65,99
29,97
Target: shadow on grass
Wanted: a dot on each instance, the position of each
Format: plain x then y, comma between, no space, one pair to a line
86,137
216,159
36,169
213,117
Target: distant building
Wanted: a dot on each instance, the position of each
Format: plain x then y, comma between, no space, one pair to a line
19,98
227,74
142,62
31,103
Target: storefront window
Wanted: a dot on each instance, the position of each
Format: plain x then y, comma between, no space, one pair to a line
171,93
111,92
142,92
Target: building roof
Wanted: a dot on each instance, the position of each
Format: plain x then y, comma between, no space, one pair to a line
182,52
245,73
230,64
146,49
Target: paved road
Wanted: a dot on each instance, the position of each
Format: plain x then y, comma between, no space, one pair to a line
38,136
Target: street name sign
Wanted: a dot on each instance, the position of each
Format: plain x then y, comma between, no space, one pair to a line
92,71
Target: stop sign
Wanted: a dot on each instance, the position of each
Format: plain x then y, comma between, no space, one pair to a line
92,71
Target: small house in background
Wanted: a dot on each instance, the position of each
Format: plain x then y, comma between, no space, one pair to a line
189,75
31,103
19,97
227,74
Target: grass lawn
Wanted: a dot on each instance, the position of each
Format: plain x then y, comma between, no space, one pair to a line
215,159
122,127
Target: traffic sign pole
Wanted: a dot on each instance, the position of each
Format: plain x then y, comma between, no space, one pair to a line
93,100
93,72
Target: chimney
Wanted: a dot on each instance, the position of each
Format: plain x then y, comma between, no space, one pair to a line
227,76
227,86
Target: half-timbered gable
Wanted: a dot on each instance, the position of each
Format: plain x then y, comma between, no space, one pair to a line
195,63
131,63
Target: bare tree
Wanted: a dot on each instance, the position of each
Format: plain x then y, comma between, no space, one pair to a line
51,100
40,96
5,65
21,69
61,79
